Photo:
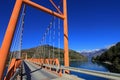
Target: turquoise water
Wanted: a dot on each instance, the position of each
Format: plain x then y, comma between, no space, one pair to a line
88,65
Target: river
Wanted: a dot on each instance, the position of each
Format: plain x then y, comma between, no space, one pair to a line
88,65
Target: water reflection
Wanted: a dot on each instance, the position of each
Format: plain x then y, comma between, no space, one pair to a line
88,65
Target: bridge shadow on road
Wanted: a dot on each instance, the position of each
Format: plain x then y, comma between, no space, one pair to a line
28,71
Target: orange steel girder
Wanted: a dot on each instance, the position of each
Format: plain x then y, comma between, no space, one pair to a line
4,51
9,36
55,6
66,51
35,5
15,63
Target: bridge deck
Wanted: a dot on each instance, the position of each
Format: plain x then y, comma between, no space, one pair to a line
34,72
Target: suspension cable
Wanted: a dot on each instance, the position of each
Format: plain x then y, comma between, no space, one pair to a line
50,36
45,44
37,50
48,33
59,37
53,37
48,39
42,49
19,31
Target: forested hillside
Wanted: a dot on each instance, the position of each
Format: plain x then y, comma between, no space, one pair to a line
111,56
38,51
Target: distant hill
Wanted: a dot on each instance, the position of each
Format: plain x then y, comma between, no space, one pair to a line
49,49
111,56
93,53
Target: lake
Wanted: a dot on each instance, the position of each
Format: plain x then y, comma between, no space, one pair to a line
88,65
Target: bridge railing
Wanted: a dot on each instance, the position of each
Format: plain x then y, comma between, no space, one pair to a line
44,63
14,66
107,75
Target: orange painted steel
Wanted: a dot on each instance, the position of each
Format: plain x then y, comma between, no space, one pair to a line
43,9
64,17
66,51
15,63
56,7
11,29
9,36
49,61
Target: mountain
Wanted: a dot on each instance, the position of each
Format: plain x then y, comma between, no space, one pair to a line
92,53
49,49
111,57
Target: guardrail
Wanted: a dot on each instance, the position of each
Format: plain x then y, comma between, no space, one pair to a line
44,62
14,66
17,72
108,75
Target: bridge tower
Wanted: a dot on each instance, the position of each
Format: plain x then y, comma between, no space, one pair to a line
6,44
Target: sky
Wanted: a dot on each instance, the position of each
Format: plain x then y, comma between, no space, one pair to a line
92,24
